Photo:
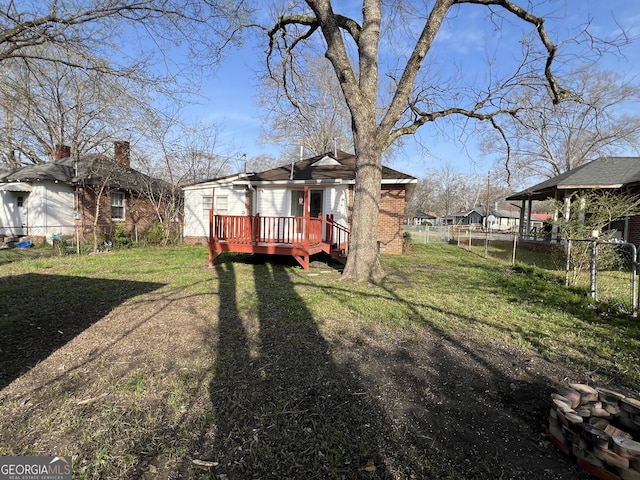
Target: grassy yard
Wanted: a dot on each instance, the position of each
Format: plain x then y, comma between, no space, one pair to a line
143,363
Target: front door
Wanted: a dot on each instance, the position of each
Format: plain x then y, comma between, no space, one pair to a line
21,217
315,203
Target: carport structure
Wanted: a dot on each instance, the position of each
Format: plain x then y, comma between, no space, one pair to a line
613,174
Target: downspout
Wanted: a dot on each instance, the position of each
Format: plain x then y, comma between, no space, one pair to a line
254,197
212,230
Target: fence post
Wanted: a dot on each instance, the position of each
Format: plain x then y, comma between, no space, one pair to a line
634,280
568,263
594,270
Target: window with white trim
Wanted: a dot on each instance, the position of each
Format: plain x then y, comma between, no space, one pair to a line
206,207
117,206
221,206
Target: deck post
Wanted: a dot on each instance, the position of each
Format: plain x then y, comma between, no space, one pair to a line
307,227
255,227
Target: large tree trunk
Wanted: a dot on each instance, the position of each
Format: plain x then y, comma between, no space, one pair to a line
363,262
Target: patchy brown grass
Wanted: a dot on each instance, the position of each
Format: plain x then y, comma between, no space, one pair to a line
137,363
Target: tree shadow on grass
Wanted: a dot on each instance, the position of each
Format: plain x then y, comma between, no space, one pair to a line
283,407
41,313
460,408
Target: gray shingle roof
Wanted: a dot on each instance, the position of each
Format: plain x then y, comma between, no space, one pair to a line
92,170
342,167
604,172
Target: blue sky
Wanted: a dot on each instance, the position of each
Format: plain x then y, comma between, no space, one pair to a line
229,96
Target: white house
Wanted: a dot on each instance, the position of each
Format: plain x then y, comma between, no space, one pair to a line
499,219
47,206
279,192
60,197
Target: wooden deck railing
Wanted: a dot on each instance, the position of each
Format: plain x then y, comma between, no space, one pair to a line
297,236
337,236
258,229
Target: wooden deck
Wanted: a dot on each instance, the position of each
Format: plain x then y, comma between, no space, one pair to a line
299,237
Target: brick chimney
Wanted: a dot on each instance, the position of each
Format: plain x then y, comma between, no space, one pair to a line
121,150
62,151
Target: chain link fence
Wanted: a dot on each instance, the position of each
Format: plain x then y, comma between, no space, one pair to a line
606,271
83,237
428,234
613,274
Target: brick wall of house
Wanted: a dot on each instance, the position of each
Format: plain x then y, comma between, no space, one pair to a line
634,230
634,224
139,214
391,219
196,240
248,201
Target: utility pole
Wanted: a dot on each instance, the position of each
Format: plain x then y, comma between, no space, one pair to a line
486,218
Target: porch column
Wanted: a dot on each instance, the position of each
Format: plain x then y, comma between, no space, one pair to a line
582,206
530,202
307,217
567,209
521,224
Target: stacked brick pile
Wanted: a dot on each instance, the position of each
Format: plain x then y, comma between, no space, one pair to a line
600,428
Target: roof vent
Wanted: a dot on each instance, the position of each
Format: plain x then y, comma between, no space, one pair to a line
326,160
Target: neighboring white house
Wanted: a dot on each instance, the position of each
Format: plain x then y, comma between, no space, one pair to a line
60,197
422,218
505,220
36,208
499,219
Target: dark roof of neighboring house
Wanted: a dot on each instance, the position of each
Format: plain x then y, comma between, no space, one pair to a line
465,213
482,211
330,166
501,213
92,169
604,172
424,215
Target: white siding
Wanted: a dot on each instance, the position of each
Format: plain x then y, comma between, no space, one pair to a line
47,209
196,215
9,216
57,203
277,201
336,202
268,202
273,202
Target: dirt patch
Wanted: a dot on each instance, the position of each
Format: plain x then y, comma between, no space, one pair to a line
463,409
